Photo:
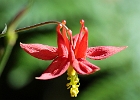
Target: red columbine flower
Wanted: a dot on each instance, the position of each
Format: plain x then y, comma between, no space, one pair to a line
70,55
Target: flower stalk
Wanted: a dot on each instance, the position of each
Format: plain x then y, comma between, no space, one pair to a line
39,25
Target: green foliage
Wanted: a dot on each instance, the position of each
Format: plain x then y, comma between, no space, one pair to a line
110,22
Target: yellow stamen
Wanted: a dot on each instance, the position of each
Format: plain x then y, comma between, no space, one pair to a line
74,82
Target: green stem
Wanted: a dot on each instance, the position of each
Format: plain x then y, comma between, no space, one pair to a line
5,57
10,40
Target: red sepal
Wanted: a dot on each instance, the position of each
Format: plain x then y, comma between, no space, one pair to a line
40,51
102,52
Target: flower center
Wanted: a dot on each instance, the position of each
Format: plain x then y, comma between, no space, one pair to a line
74,82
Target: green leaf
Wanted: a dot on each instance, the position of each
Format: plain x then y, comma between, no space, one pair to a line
4,31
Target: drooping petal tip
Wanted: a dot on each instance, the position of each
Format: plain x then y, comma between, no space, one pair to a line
58,67
44,76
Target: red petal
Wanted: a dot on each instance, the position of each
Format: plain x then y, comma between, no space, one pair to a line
82,44
64,34
56,68
40,51
82,66
75,38
102,52
62,46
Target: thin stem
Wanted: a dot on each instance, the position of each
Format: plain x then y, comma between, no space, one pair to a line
40,24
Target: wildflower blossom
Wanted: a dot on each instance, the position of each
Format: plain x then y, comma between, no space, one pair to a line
70,55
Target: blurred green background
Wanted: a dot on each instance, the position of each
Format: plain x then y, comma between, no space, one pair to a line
110,22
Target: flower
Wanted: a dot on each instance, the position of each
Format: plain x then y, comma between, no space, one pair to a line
70,55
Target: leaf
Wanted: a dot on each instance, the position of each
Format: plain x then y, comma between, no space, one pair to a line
4,31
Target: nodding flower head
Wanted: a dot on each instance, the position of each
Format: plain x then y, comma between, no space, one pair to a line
70,55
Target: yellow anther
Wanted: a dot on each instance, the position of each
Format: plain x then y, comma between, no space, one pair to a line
74,92
74,82
68,78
